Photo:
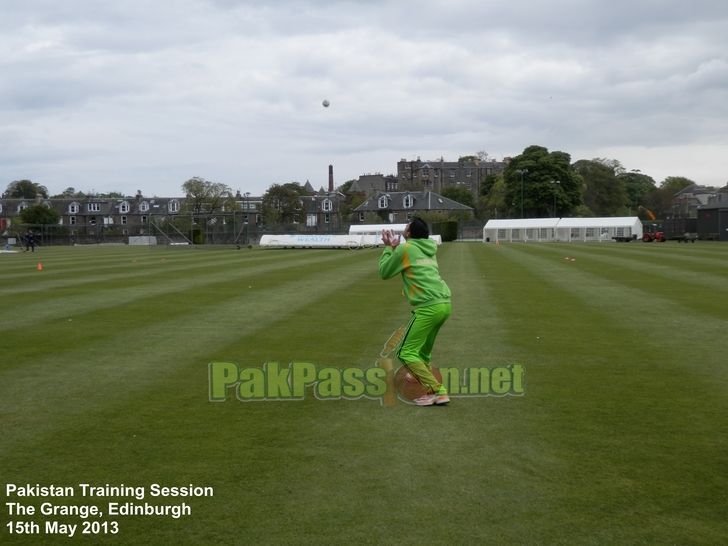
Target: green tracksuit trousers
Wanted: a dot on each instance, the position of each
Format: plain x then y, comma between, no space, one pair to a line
415,351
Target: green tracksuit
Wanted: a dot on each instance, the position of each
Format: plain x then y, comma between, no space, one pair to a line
416,261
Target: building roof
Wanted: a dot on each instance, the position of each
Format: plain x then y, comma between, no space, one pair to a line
368,183
422,201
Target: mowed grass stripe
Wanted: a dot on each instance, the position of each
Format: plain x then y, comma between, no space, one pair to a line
656,320
664,262
668,321
592,453
607,402
83,295
315,461
318,461
131,263
73,372
702,292
474,335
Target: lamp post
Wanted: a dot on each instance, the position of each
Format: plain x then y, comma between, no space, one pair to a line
559,183
522,172
246,218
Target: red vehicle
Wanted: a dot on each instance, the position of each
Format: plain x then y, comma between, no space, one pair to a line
653,232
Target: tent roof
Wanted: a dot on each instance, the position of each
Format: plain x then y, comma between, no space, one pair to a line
619,221
376,228
518,223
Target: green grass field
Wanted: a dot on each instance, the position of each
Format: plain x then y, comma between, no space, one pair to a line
620,437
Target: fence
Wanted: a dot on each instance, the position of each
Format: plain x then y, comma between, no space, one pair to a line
220,229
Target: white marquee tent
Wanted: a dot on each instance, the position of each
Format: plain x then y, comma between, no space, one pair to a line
524,229
562,229
359,236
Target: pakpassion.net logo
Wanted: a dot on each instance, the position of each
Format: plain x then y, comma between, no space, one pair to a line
298,380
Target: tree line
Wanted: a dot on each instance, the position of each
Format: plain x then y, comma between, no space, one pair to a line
537,183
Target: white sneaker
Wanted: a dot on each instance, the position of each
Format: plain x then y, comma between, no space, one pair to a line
425,400
442,399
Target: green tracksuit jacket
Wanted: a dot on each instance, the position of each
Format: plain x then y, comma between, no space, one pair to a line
417,262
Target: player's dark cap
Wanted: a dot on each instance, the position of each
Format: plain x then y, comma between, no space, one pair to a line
418,229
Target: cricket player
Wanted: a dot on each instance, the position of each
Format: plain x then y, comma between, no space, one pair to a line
428,294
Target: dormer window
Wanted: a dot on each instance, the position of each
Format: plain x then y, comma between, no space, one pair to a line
22,206
73,208
94,207
124,207
173,206
326,205
383,202
408,202
144,206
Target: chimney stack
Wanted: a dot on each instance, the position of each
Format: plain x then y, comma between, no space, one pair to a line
331,179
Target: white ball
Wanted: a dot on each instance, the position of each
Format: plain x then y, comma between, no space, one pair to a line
326,103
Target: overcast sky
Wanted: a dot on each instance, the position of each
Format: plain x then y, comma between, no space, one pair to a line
143,95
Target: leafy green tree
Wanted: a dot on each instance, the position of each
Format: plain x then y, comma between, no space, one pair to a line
282,203
204,196
540,183
603,192
25,189
676,183
351,200
488,183
493,204
660,200
39,214
637,186
346,186
70,192
461,195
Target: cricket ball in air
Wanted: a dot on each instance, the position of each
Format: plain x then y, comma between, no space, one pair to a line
326,103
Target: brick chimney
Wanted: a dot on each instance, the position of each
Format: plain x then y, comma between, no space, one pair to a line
331,179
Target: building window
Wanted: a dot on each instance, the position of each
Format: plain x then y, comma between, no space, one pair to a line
124,220
124,208
327,218
73,208
383,202
22,206
143,206
94,207
452,173
408,202
92,220
72,220
361,216
144,219
326,206
173,206
1,207
311,220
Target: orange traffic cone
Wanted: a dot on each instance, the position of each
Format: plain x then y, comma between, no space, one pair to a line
40,267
